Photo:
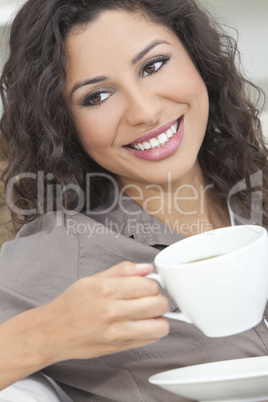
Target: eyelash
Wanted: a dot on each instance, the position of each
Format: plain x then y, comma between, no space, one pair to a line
163,59
86,101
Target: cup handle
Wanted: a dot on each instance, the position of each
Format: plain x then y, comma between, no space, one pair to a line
172,315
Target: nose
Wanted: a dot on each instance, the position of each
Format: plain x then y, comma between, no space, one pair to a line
143,106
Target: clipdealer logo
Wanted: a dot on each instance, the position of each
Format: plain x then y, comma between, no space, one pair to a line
50,197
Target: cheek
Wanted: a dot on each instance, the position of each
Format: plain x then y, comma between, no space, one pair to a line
184,85
93,134
193,93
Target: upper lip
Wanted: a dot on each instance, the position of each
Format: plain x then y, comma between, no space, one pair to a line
152,134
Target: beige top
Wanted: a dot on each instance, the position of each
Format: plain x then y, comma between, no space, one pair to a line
47,256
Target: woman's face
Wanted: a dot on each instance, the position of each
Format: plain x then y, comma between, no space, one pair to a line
140,106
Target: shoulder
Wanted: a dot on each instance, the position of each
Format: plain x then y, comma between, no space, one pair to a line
43,236
41,262
50,234
44,250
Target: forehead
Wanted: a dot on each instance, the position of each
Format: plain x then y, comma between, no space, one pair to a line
113,35
114,22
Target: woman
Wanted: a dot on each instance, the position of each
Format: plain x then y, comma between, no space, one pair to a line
127,128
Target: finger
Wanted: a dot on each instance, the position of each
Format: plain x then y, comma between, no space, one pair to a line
139,309
127,332
150,329
127,268
125,288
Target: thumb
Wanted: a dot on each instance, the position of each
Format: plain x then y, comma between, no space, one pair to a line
127,268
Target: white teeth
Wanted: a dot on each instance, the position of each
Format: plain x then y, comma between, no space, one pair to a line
162,138
146,145
157,142
169,133
174,128
154,142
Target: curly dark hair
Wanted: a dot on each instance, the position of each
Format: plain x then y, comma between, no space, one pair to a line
38,133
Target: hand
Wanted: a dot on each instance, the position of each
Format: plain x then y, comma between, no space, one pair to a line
109,312
115,310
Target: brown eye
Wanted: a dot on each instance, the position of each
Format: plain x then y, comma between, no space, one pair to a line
150,68
95,99
154,66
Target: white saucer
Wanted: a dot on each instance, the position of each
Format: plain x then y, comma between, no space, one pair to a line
240,380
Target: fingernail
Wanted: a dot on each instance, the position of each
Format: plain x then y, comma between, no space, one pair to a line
144,266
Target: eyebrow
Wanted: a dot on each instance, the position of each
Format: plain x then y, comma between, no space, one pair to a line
148,48
92,81
134,61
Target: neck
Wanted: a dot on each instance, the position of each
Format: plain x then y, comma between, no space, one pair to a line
188,205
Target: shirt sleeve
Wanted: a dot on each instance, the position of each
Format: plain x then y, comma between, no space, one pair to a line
38,265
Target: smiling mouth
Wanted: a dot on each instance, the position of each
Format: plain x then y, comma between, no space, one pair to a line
159,141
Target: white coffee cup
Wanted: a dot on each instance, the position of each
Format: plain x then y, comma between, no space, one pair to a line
219,279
